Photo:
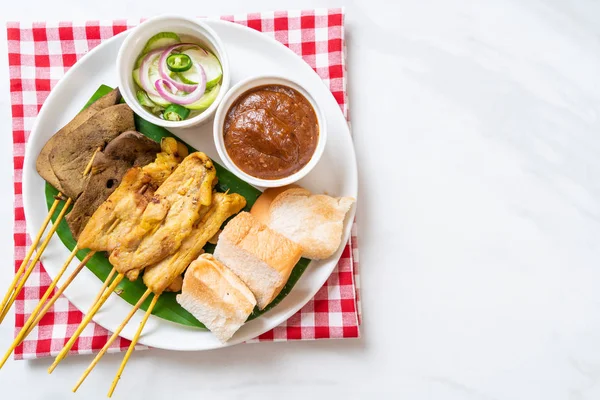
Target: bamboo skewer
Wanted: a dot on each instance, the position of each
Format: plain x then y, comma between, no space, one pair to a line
132,345
111,339
11,293
60,292
37,315
104,285
32,248
88,167
86,320
35,260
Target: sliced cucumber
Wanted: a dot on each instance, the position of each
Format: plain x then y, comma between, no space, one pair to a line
159,101
143,99
162,39
138,62
153,72
181,78
153,75
208,61
136,77
206,100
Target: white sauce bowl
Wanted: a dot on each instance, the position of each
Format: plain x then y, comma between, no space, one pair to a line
239,89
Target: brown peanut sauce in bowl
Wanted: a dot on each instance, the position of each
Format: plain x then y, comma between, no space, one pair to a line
271,132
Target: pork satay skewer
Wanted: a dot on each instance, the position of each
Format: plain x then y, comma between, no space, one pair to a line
165,272
173,266
116,213
186,199
169,217
88,167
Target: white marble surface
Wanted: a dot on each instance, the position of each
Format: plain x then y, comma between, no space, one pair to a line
477,134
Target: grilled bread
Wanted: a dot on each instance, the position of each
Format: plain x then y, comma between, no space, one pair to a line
216,297
261,257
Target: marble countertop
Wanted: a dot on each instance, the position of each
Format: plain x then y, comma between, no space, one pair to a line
477,135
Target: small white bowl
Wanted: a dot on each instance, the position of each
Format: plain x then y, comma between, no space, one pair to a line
136,40
231,96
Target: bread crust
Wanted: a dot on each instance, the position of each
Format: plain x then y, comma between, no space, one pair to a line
260,244
314,221
260,208
216,296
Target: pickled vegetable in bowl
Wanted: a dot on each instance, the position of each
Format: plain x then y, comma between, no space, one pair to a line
176,78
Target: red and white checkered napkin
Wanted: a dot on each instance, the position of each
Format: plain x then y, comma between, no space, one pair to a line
41,53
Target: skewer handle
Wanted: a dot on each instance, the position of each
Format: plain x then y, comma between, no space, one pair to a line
132,345
60,291
86,320
36,316
88,167
37,257
107,281
32,248
115,335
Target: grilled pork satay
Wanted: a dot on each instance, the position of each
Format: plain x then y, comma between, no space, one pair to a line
108,222
121,212
161,276
169,217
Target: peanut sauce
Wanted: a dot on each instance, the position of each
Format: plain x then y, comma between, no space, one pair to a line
271,132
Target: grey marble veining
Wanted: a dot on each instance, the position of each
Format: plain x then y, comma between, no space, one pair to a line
477,133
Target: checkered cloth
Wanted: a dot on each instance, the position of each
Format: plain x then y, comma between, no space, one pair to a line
41,53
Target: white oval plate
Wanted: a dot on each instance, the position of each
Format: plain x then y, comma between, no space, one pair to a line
250,53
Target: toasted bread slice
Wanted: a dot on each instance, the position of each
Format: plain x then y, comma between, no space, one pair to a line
261,257
260,208
314,221
216,297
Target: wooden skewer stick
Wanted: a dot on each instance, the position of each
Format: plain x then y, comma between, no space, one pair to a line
91,310
10,294
32,248
107,281
53,284
60,292
36,316
35,259
132,345
65,350
88,167
112,339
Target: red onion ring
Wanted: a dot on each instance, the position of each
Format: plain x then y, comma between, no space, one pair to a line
144,72
164,70
165,90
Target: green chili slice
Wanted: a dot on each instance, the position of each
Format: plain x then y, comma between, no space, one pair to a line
179,62
175,112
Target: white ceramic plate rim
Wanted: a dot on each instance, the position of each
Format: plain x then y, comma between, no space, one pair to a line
161,333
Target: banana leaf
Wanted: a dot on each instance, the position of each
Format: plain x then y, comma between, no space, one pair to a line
166,306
